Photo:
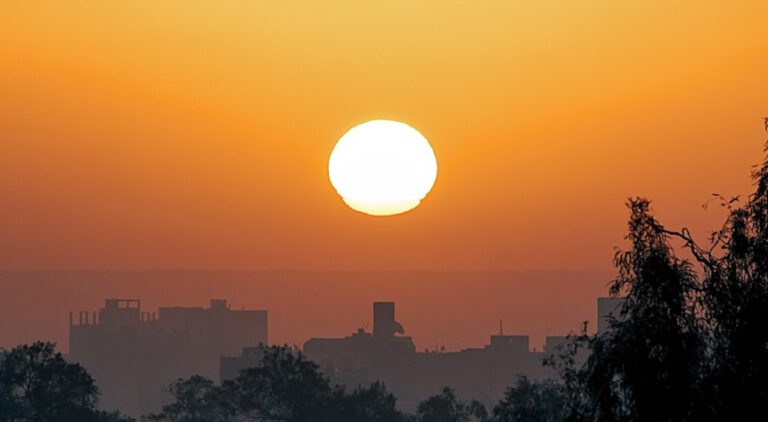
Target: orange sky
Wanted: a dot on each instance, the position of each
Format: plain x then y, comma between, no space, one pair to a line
184,134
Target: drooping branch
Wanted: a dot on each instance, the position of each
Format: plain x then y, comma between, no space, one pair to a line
702,255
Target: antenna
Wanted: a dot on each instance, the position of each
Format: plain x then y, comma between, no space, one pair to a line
501,327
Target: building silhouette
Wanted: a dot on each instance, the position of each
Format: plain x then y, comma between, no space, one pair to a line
230,366
134,355
387,355
608,308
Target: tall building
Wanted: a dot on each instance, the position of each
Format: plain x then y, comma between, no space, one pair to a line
134,355
607,308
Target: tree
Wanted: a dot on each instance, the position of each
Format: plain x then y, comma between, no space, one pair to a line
371,404
115,416
685,347
284,386
196,399
446,407
648,365
37,384
734,302
528,401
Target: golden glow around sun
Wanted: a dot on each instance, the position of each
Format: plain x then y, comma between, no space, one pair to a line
382,167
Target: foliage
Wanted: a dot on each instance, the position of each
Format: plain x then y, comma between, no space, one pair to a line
37,384
691,343
284,386
372,404
735,300
446,407
645,367
196,399
530,401
104,416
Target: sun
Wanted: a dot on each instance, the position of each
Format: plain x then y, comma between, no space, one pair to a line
382,167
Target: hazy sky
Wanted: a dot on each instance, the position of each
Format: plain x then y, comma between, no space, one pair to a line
182,134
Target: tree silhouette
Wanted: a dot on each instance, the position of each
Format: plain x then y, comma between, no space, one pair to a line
528,401
684,347
370,404
283,386
446,407
647,365
37,384
115,416
196,399
734,305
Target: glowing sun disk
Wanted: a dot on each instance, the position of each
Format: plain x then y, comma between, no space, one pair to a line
382,167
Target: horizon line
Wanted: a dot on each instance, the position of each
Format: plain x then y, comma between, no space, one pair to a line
294,270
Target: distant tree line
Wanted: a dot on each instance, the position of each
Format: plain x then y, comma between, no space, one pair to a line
285,386
38,384
690,343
